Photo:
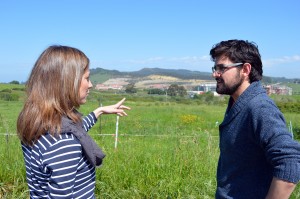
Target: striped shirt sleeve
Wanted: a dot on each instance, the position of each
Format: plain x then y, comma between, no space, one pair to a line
89,121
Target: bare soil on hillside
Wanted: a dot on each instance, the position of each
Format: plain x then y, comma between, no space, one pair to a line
155,81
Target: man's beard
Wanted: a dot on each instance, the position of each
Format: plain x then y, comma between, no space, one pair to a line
223,88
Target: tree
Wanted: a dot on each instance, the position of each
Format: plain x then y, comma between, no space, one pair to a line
172,90
130,88
182,91
175,90
14,82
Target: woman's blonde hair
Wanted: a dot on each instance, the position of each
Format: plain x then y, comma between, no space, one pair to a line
52,92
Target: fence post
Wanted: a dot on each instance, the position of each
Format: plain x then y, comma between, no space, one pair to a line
117,129
7,146
100,126
291,129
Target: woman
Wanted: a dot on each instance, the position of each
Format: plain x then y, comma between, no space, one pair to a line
60,157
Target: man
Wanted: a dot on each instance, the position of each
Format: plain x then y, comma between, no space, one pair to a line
258,156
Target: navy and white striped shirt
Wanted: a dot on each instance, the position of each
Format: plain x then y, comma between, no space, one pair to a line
56,167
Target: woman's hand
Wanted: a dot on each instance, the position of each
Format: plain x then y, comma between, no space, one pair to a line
117,108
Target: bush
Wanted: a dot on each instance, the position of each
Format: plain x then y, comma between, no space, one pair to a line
290,107
156,91
18,89
296,132
9,96
7,90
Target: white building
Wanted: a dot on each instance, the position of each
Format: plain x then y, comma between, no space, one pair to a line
206,87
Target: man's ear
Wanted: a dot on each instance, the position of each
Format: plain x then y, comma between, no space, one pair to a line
246,69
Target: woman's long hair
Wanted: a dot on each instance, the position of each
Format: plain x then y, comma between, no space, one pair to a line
52,92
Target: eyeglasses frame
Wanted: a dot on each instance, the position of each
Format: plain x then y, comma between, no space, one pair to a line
225,67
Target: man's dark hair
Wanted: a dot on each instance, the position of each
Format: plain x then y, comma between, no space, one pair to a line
240,51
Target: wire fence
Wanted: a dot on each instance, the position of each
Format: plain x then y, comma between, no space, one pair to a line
114,127
289,126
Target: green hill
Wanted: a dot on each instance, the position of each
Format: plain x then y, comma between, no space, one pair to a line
99,75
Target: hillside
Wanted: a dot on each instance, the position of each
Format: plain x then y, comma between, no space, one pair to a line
178,73
100,75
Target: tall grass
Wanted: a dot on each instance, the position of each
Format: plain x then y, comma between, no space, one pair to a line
165,150
148,167
161,154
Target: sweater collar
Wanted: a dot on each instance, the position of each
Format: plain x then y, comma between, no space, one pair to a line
234,108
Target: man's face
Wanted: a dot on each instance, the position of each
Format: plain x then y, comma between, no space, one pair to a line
228,79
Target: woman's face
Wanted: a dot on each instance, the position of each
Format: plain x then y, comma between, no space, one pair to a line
85,86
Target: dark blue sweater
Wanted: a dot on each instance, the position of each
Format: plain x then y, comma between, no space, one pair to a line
255,146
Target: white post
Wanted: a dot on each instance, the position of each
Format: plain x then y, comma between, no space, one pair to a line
116,136
291,129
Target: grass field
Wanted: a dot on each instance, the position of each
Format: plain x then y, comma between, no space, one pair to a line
165,150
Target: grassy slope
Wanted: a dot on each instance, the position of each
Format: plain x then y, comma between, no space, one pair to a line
99,78
10,86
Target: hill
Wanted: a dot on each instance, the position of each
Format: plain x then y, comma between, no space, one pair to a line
178,73
100,75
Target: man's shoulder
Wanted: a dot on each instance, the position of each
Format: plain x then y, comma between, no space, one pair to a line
257,95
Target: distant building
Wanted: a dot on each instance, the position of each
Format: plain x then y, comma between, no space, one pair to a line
278,89
271,89
108,87
206,87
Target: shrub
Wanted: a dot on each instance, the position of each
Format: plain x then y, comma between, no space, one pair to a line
9,96
7,90
291,107
296,132
18,89
156,91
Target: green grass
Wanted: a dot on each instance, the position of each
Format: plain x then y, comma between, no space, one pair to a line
165,149
158,168
295,87
11,86
168,161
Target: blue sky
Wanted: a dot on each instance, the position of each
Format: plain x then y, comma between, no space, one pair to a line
128,35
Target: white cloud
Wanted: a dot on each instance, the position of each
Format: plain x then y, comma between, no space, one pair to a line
282,60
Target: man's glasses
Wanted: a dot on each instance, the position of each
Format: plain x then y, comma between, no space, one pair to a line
221,68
